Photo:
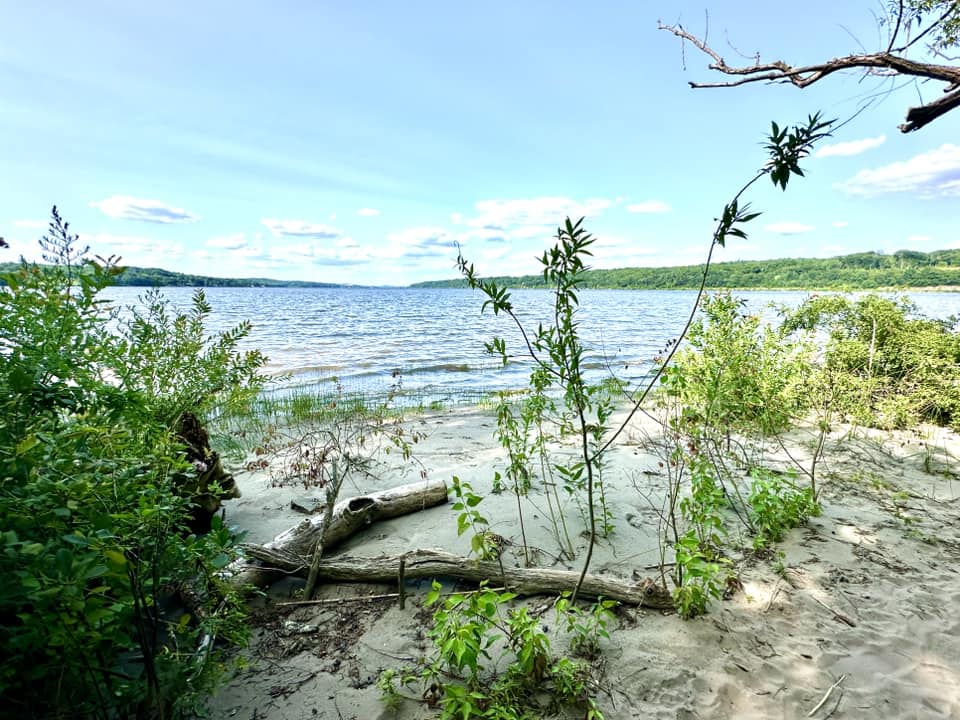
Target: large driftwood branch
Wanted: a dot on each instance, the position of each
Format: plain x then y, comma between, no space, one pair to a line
437,563
297,545
886,63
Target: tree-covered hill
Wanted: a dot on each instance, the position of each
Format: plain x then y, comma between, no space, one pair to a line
157,277
860,271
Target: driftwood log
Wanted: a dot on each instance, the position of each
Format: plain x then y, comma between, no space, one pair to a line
349,516
438,563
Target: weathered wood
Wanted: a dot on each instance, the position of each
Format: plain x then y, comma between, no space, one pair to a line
349,516
438,563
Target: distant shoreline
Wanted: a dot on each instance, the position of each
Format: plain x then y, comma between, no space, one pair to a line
902,271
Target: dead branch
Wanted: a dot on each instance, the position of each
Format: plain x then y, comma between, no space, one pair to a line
294,547
885,63
438,563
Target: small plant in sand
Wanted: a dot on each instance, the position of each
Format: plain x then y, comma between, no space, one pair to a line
483,543
586,628
473,635
777,504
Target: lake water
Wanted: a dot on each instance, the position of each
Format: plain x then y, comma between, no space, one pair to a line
432,339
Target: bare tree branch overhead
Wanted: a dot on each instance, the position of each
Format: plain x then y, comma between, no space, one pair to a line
931,26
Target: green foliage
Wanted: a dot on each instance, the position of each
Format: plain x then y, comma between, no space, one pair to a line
777,505
586,629
788,146
942,17
885,366
167,360
700,571
703,576
482,543
464,677
94,549
736,376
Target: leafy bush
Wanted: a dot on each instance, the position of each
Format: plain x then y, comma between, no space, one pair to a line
777,505
94,550
736,375
887,367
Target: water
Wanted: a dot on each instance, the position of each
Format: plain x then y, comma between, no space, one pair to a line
431,340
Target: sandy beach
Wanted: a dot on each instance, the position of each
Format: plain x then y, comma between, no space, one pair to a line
857,618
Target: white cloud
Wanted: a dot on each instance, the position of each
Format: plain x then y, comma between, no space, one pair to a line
649,206
121,242
31,224
533,214
840,223
919,238
300,228
788,228
368,212
228,242
930,174
124,207
851,147
420,243
134,249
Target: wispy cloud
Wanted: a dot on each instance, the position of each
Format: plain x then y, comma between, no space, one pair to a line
124,207
839,223
935,173
919,238
300,229
368,212
345,252
135,249
788,228
228,242
851,147
420,243
649,206
532,214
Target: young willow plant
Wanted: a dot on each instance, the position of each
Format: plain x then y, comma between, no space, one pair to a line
557,353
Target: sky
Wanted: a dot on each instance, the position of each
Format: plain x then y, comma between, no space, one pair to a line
362,142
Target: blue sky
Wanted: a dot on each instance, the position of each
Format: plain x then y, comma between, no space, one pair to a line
359,141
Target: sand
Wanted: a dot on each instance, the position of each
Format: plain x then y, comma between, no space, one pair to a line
867,600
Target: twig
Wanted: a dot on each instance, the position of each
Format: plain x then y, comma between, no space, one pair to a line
773,596
401,586
334,601
835,706
826,695
383,596
836,613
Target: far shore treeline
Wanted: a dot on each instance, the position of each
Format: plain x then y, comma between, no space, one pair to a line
861,271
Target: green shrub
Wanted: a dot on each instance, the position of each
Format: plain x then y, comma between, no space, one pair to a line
736,375
777,505
888,368
94,551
